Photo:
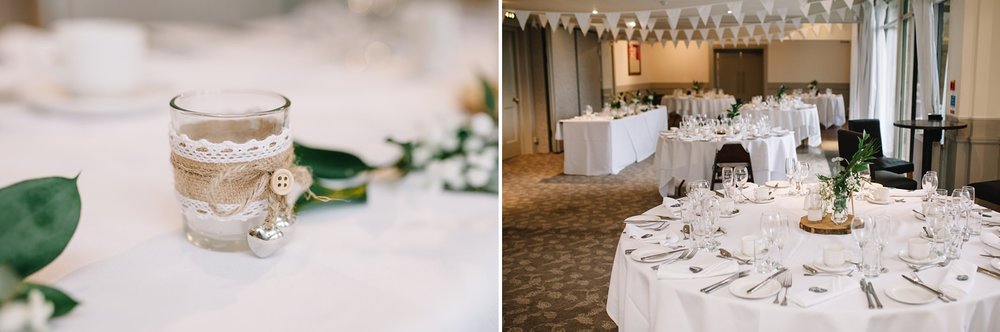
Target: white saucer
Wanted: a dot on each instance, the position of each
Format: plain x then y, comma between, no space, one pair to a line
909,294
52,96
735,213
755,201
905,256
925,237
651,250
873,201
919,217
740,287
818,263
780,184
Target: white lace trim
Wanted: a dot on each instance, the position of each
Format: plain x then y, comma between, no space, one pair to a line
193,207
229,152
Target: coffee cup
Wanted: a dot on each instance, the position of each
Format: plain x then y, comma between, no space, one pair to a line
99,57
762,193
747,244
881,194
727,205
918,248
833,255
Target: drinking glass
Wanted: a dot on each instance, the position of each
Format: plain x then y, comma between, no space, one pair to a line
870,252
742,176
761,256
866,176
218,128
929,183
859,228
802,174
974,222
727,177
770,223
791,170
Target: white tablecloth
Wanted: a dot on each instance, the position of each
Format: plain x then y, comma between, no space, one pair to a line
803,121
638,301
688,105
678,159
600,146
830,108
410,259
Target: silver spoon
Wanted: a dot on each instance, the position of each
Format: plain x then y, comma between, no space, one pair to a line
816,289
686,230
695,269
725,253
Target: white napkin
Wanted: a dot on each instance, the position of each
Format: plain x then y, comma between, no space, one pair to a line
662,237
682,271
990,239
956,288
835,287
906,193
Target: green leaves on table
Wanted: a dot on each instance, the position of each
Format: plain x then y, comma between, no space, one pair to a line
348,171
39,218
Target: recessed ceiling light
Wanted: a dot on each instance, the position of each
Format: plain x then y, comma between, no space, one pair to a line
630,24
594,12
508,14
729,12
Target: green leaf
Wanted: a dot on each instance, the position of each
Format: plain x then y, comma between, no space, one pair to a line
330,164
353,195
8,283
62,303
490,99
38,218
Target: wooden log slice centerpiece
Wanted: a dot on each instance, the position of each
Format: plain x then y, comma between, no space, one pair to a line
826,225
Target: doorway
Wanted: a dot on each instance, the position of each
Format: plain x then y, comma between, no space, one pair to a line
510,108
740,72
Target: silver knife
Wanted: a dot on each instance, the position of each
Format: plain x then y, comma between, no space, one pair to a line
644,258
868,297
987,272
871,289
755,287
728,280
940,295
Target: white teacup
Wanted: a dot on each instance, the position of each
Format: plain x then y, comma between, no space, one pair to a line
727,205
747,244
762,193
918,248
100,57
833,255
881,194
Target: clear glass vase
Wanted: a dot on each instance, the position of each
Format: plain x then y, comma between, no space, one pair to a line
840,208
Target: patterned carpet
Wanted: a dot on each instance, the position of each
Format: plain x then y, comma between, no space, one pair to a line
560,233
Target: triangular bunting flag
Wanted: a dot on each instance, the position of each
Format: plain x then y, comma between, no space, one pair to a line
804,8
672,16
565,22
699,43
734,40
719,32
756,39
643,17
797,22
849,3
746,41
612,20
628,33
687,43
663,43
735,30
673,35
828,27
826,5
522,17
783,12
768,6
553,19
811,19
652,24
694,21
766,27
704,33
769,37
643,33
614,32
842,13
704,11
600,30
761,15
659,34
688,33
750,28
736,7
570,27
739,19
826,17
781,27
675,43
716,19
583,19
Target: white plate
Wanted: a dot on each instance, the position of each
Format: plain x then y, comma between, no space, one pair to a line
873,201
52,96
754,200
651,250
925,237
818,263
909,294
781,184
740,287
735,213
905,256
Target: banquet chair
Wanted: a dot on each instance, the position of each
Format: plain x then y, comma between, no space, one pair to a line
847,144
988,194
872,126
730,155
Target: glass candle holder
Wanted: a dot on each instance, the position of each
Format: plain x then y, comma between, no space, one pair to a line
217,132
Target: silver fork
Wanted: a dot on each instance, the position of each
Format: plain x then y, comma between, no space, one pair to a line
663,225
679,257
786,283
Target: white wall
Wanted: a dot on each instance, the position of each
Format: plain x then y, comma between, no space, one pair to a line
801,61
975,57
664,64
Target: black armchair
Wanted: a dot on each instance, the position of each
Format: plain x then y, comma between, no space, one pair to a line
881,162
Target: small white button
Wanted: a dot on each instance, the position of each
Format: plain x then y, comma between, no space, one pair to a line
281,181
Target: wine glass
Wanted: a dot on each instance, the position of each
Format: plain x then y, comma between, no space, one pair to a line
727,178
929,183
742,176
769,224
866,176
791,169
860,227
780,235
803,173
969,197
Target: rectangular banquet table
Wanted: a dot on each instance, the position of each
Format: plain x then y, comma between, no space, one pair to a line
601,145
639,301
681,159
711,106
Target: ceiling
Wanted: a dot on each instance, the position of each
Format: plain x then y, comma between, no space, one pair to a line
689,9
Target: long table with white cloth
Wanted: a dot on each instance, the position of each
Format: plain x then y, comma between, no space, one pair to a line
830,108
704,105
803,120
686,159
639,300
601,145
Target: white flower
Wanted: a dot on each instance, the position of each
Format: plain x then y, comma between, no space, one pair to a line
34,315
487,159
477,177
482,125
422,154
473,144
448,171
450,142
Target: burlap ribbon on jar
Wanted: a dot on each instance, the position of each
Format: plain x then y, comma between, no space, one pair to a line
240,183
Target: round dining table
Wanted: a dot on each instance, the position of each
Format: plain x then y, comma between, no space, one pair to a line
638,300
830,108
712,106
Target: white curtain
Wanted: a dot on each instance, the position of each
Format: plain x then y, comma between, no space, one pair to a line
873,82
925,23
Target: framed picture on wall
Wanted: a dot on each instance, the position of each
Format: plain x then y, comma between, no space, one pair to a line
634,58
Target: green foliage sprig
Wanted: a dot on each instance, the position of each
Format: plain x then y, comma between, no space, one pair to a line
734,109
847,178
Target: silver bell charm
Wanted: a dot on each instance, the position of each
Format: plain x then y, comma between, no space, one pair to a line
285,223
265,239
